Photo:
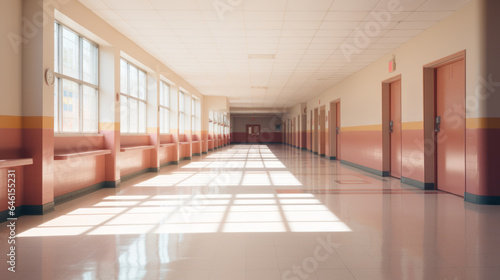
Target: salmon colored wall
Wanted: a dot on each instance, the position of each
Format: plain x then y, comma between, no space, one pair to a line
363,146
74,144
133,161
134,140
91,170
482,138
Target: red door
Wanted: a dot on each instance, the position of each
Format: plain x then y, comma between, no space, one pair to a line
450,128
395,128
253,133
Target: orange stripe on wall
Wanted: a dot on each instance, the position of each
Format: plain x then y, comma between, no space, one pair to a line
413,125
376,127
38,122
109,126
11,122
26,122
478,123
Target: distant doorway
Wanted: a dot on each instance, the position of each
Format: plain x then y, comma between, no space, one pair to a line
253,133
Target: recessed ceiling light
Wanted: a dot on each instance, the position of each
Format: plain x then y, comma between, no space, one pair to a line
261,56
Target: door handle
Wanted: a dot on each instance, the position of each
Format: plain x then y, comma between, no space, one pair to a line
437,126
337,130
391,126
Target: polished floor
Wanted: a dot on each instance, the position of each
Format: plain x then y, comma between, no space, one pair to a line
260,212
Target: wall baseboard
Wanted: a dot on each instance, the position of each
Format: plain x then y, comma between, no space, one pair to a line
134,174
78,193
482,199
367,169
418,184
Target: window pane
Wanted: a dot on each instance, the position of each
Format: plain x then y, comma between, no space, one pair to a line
71,106
133,114
133,81
89,109
192,124
181,123
181,102
162,120
123,77
142,117
142,85
162,94
56,105
165,95
167,121
56,47
71,53
123,114
89,62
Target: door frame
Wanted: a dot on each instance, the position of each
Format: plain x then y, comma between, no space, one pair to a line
332,129
430,94
386,118
246,131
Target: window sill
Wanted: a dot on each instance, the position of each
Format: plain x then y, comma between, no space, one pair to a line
58,134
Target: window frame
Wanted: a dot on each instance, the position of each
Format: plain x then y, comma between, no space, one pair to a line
164,107
182,111
59,78
128,96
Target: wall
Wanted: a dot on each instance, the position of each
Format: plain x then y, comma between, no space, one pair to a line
27,107
361,93
469,29
268,134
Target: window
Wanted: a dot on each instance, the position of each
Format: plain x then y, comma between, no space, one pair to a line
195,115
210,122
132,98
76,85
181,112
164,107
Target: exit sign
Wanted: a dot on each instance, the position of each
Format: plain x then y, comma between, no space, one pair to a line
392,65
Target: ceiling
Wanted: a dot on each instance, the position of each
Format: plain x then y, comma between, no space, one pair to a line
268,53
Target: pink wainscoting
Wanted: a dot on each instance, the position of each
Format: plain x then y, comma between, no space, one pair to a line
75,144
134,140
11,140
303,143
135,160
167,153
77,173
265,137
39,179
19,191
413,154
483,161
363,148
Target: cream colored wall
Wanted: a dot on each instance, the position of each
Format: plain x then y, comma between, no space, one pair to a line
11,57
361,93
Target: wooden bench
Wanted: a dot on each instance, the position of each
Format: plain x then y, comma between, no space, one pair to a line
131,148
7,163
167,145
61,156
